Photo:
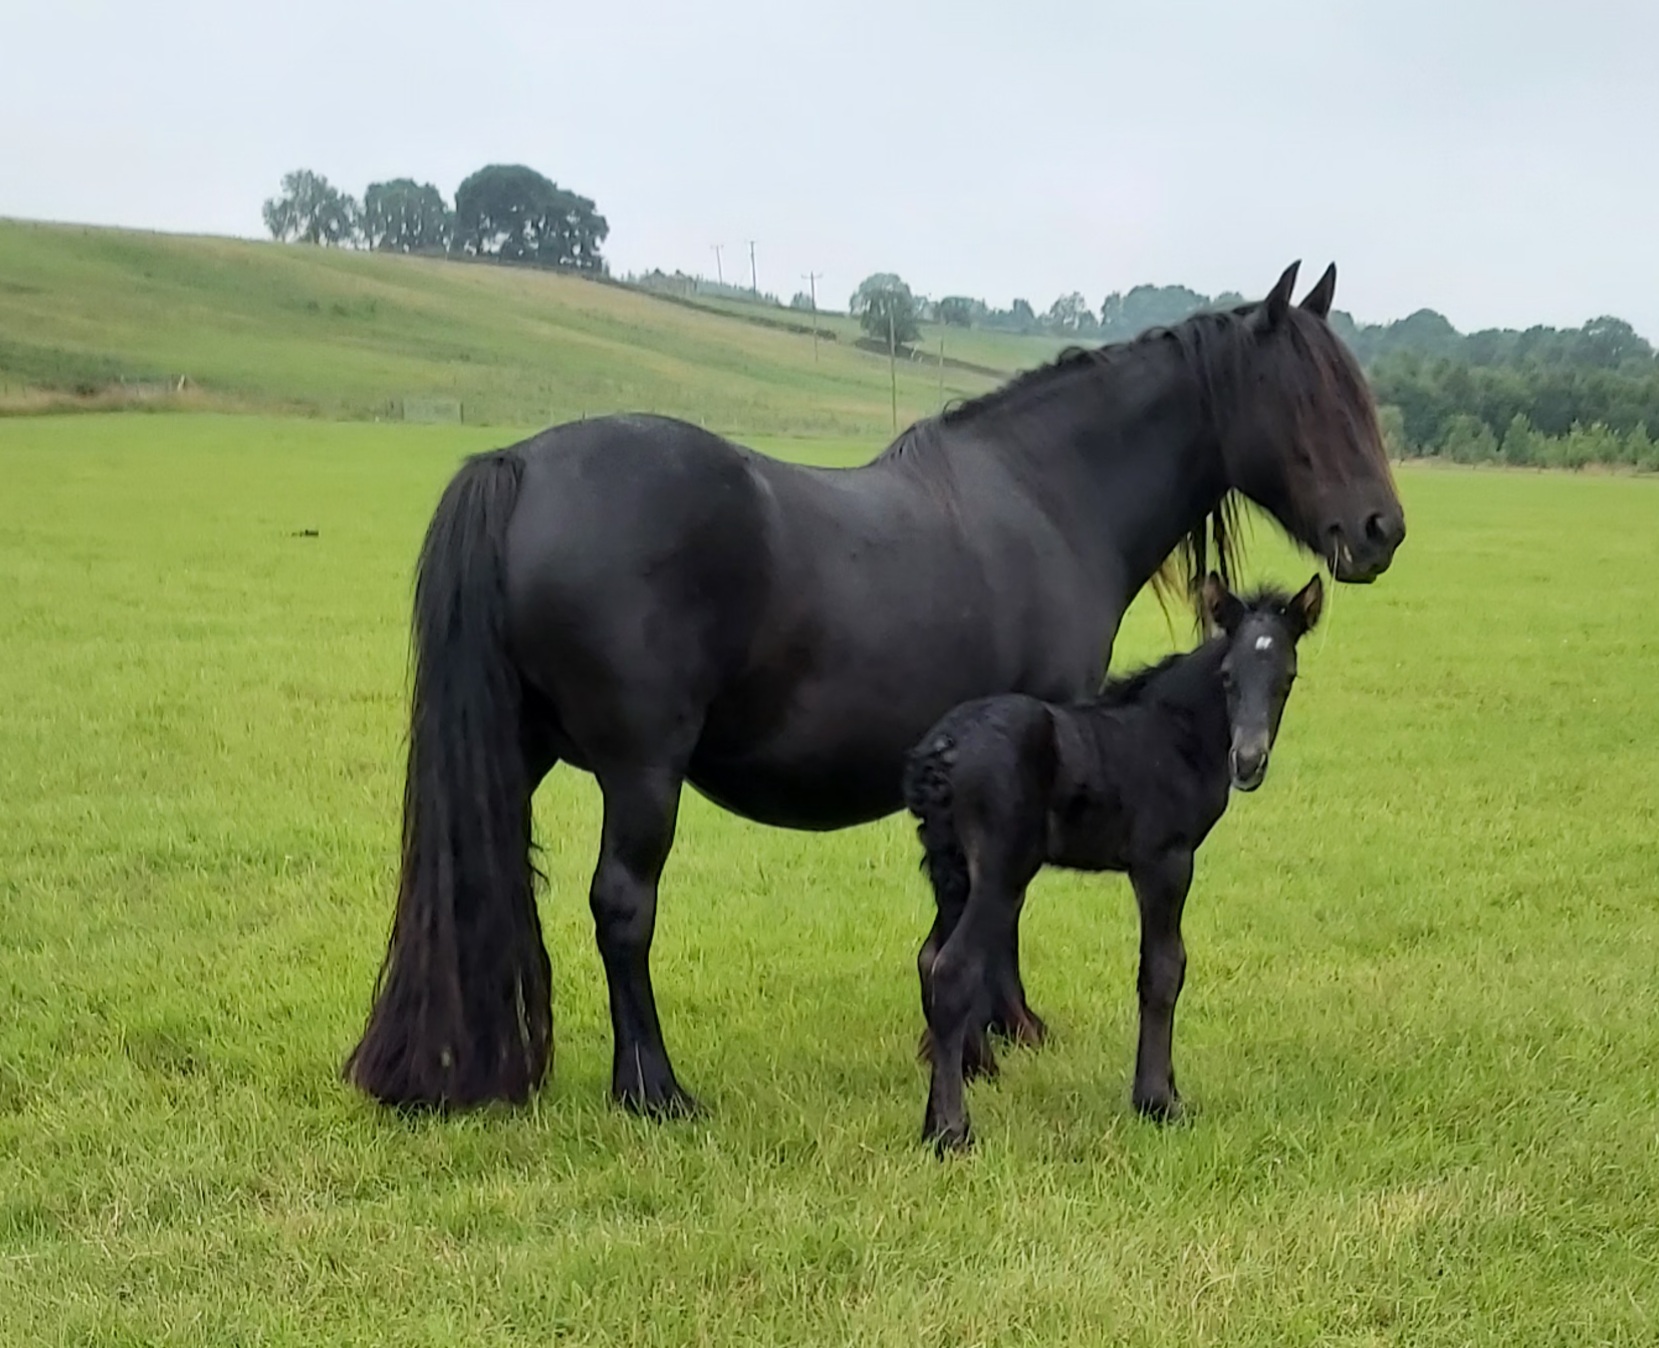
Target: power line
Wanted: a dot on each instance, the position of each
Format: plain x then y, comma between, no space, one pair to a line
719,273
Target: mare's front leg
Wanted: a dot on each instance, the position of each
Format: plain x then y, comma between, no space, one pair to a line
1161,893
641,806
1011,1015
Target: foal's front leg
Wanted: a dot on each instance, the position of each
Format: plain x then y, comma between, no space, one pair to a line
1161,893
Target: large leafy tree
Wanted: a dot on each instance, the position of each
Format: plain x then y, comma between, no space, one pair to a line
403,216
886,309
311,210
512,212
1125,315
1071,313
959,311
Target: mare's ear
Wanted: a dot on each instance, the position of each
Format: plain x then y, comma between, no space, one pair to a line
1277,304
1222,609
1318,300
1308,603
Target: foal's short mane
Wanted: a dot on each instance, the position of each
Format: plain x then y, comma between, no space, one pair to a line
1126,689
1330,408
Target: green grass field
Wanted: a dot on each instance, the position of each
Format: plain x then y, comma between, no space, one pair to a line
1419,1032
342,334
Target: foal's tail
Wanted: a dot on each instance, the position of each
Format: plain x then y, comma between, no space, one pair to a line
928,795
462,1009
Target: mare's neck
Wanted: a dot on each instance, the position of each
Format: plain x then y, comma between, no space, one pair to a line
1123,454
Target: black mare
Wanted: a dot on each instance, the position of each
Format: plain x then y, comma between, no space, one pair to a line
656,605
1132,780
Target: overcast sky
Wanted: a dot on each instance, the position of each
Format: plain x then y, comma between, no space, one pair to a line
1497,160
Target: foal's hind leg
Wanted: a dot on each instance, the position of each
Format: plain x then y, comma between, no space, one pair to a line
978,1059
641,806
1011,1015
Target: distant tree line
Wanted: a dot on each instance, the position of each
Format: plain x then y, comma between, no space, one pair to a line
1546,396
504,211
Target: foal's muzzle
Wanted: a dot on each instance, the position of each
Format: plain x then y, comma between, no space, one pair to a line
1248,768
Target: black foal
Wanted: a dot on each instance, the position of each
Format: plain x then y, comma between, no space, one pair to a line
1130,781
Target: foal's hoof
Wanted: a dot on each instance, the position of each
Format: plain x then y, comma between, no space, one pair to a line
674,1103
1023,1027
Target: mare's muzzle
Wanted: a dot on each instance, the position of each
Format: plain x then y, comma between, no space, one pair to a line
1361,550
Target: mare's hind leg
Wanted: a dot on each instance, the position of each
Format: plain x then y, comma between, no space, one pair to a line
641,806
1011,1015
1161,893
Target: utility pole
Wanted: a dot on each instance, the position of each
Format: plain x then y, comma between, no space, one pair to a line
811,278
719,274
754,285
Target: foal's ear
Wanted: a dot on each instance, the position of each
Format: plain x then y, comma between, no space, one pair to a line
1222,609
1318,300
1277,304
1308,603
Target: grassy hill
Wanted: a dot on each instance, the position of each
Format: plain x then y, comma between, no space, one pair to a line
113,316
1002,352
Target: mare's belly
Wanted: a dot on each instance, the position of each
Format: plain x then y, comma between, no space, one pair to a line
822,792
822,786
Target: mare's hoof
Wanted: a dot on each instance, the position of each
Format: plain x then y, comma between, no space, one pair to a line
674,1103
1160,1108
948,1140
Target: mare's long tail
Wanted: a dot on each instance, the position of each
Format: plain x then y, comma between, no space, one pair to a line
462,1010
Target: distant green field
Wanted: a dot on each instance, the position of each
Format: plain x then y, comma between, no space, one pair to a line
1419,1031
341,334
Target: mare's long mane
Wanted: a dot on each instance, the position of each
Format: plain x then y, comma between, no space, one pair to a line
1321,384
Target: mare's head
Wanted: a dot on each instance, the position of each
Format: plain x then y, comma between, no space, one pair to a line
1259,666
1299,434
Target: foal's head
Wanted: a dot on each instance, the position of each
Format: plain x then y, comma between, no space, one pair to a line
1259,667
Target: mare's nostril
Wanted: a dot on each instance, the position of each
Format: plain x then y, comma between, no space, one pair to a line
1385,529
